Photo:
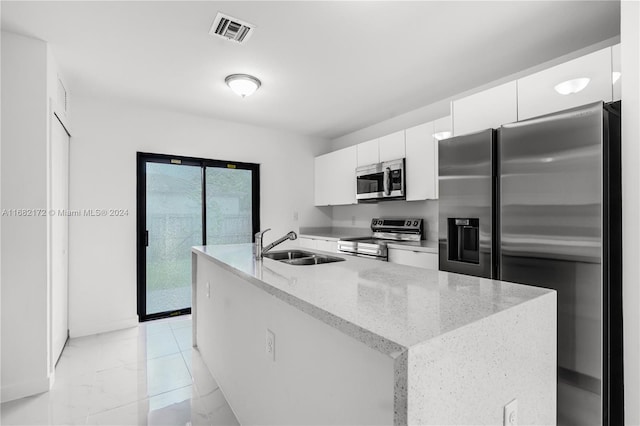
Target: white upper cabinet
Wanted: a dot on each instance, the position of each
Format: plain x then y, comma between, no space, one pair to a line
537,93
392,146
368,152
322,187
385,148
421,171
616,73
487,109
335,177
422,158
442,129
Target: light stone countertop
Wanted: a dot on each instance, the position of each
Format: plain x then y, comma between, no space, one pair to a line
388,307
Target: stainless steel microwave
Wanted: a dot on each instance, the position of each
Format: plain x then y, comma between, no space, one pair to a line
381,181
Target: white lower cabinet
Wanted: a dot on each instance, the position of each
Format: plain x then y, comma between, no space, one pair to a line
419,259
318,244
327,245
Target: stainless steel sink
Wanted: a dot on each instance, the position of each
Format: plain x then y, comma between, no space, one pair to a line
287,254
301,257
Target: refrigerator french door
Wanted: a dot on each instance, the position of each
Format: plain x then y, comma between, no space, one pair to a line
556,220
560,218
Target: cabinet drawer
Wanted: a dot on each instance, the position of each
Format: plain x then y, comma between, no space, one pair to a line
307,243
318,244
414,258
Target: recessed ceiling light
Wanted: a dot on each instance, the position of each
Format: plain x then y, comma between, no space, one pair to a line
572,86
243,84
441,135
615,76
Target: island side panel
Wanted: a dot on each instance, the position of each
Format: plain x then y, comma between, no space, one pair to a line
320,375
468,375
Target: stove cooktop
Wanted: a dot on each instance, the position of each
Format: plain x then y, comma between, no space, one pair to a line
384,232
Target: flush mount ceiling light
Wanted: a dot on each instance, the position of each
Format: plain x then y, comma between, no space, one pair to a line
572,86
243,84
615,76
442,135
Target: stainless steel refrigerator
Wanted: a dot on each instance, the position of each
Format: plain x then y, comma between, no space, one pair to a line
538,202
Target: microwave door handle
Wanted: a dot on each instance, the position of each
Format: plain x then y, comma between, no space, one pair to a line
387,181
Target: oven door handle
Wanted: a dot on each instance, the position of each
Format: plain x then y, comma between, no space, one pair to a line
387,181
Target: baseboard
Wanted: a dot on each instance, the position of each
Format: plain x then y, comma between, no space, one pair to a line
23,389
94,327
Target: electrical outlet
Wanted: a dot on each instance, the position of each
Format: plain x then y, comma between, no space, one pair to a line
511,413
271,345
208,290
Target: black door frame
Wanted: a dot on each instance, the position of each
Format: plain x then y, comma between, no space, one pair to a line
141,214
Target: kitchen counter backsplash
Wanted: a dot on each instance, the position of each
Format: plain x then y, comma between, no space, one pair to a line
360,215
334,231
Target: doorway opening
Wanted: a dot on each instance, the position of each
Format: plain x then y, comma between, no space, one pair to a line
184,202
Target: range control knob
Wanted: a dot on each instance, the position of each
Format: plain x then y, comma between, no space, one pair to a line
415,223
408,223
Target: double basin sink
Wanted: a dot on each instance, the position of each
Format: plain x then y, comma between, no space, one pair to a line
301,257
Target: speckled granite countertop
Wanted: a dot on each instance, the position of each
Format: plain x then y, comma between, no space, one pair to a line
334,234
389,307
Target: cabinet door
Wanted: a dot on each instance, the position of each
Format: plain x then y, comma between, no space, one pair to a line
485,110
616,72
322,185
414,258
421,163
392,146
342,176
442,129
537,94
368,153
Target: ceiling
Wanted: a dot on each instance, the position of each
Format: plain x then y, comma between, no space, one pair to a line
327,68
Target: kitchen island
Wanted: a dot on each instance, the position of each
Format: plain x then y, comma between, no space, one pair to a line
369,342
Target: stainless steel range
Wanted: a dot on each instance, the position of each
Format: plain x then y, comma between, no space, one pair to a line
384,231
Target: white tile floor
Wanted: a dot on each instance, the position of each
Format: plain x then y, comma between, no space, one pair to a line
148,375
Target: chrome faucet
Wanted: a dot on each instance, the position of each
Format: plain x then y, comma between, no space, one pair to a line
260,250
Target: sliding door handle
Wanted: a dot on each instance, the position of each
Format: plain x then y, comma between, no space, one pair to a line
146,238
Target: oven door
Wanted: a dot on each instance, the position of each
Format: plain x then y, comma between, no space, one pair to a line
370,182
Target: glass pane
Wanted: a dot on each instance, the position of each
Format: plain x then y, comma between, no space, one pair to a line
174,222
229,206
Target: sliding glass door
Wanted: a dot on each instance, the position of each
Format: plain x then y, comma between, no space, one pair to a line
184,202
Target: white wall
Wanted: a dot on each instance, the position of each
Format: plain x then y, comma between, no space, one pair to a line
25,331
106,136
630,38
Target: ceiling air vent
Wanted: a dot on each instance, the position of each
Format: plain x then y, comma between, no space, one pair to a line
231,28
